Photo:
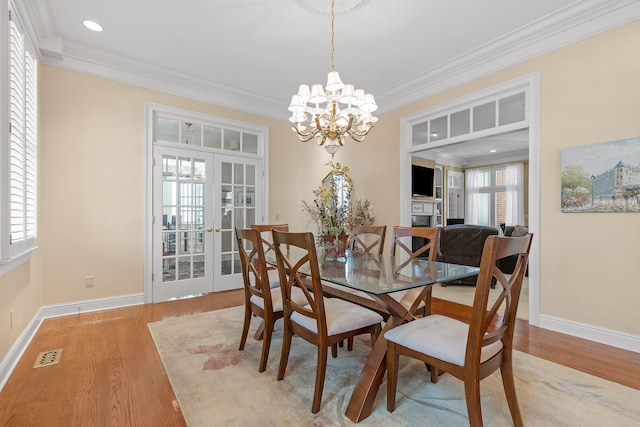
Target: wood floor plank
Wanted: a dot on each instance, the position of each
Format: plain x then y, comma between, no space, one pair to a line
111,374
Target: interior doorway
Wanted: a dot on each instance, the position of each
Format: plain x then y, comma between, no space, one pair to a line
471,119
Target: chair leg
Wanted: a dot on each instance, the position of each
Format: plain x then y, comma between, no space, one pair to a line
392,376
286,346
506,371
245,327
472,394
321,371
434,373
266,344
334,350
350,344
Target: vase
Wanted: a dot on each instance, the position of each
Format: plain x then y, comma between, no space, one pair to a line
335,246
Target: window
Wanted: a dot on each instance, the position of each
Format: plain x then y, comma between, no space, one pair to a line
495,195
19,158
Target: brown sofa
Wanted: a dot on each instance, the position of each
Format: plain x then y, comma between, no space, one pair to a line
463,244
508,264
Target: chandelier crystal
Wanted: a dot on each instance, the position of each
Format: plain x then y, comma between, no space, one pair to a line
332,113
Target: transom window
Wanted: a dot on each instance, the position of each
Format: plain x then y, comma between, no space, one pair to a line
209,135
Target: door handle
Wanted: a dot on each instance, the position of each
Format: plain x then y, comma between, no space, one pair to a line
209,229
218,229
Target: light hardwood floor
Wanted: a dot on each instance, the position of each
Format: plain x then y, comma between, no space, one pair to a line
111,375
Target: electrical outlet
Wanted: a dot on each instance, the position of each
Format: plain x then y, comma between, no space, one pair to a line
11,315
88,281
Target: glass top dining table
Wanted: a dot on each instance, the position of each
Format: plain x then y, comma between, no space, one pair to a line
380,276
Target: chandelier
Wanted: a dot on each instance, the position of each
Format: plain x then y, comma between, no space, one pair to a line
332,113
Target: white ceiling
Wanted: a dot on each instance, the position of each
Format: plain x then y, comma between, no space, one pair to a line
251,55
510,146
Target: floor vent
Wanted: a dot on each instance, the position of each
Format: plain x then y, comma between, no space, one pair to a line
47,358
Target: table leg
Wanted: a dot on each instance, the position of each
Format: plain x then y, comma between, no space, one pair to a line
366,389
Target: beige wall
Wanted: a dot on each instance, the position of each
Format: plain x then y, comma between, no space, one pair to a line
92,171
589,94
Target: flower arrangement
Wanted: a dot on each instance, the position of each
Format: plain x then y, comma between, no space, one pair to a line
332,209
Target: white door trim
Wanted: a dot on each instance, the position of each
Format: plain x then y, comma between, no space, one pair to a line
531,84
150,108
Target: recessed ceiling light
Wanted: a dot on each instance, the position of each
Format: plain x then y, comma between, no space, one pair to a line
492,151
93,26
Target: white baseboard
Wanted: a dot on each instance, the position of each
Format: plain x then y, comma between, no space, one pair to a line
592,333
12,358
88,306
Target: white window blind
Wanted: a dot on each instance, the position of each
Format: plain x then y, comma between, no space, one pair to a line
22,162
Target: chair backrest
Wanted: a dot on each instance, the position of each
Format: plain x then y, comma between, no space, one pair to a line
428,241
366,237
254,266
487,324
303,252
266,236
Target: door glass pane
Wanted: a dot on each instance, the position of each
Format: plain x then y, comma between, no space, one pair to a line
183,209
238,174
227,173
251,216
251,174
198,266
238,209
226,241
184,268
169,269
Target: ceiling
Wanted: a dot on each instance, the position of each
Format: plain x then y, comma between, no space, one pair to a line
251,55
510,146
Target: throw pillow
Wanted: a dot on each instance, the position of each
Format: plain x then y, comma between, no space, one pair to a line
520,231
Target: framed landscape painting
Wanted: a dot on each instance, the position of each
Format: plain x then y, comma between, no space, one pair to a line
602,177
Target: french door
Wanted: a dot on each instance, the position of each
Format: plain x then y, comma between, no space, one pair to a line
198,199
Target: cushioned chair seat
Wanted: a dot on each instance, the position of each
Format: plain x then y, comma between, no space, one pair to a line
276,299
274,279
342,316
439,336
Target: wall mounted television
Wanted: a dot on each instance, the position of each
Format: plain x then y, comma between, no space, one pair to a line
422,181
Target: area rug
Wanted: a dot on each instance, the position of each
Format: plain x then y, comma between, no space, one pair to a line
218,385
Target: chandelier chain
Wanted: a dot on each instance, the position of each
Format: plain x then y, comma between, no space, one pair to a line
333,17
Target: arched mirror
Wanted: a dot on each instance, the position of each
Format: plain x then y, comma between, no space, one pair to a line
340,181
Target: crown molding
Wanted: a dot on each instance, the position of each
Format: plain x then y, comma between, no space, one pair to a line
569,25
576,22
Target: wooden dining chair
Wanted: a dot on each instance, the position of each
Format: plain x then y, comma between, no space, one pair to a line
365,238
403,242
472,351
259,298
267,241
321,321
